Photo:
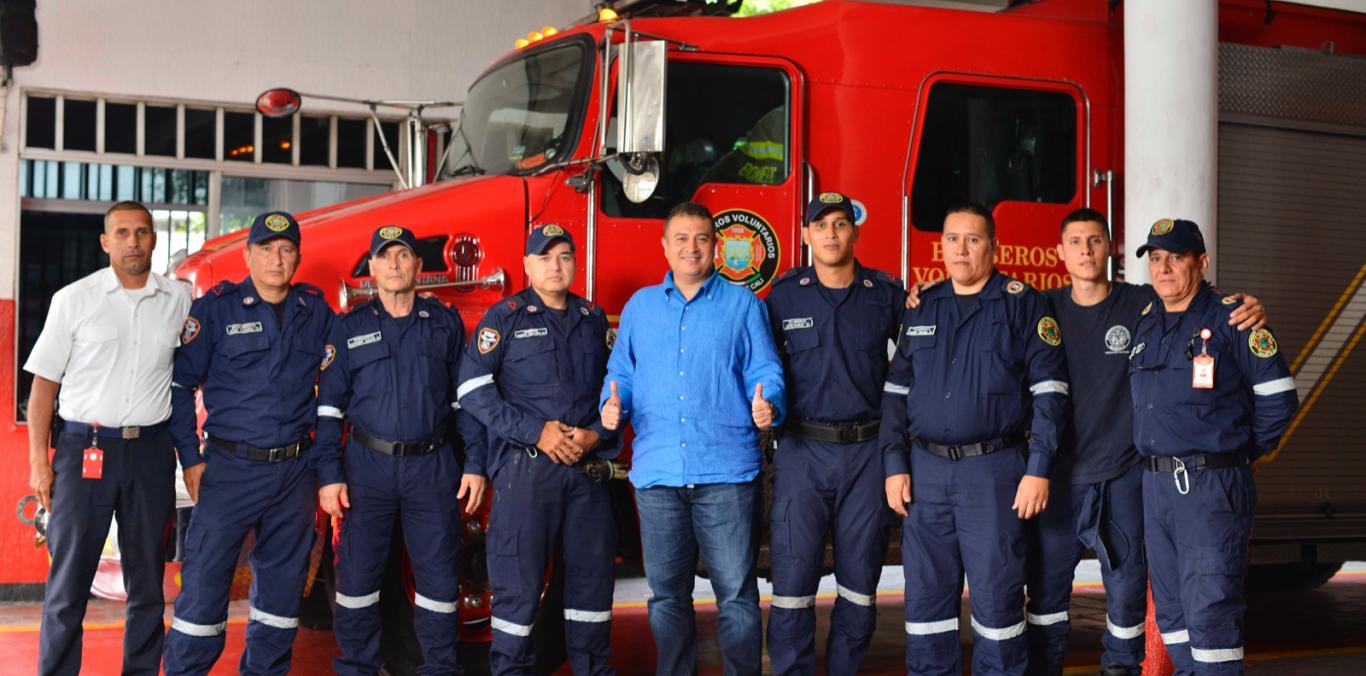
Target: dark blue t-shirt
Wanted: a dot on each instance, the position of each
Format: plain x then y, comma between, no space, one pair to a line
1099,444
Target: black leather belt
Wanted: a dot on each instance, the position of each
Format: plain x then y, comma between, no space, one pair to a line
277,454
834,432
398,449
1163,464
131,432
959,451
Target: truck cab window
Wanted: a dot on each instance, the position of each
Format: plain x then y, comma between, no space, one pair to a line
723,124
992,144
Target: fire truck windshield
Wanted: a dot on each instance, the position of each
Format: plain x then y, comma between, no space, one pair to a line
524,113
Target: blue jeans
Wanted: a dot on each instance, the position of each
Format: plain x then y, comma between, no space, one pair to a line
717,520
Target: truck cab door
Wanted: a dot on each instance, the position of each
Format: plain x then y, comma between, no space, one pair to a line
732,144
1018,146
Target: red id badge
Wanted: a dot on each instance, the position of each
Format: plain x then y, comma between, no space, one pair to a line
92,463
1202,372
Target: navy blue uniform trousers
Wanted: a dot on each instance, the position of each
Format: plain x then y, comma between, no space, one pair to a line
138,485
820,487
1106,516
276,501
1197,551
418,493
540,508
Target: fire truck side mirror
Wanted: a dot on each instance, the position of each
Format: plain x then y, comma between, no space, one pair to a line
280,102
640,97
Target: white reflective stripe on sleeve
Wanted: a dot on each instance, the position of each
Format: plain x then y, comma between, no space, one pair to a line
329,411
852,596
357,602
893,388
928,628
510,627
998,634
1047,386
1123,633
1045,620
192,629
793,602
471,385
433,605
1175,637
1217,654
1276,386
587,615
270,620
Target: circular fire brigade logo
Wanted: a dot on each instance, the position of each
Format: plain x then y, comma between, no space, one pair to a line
1117,339
390,232
747,250
277,223
1163,226
1049,331
1262,344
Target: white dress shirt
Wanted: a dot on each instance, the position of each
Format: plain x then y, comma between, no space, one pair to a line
112,348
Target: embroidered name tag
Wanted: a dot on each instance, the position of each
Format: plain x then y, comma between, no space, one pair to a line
356,341
798,323
531,333
248,327
920,330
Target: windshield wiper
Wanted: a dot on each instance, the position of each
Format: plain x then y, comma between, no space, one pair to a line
467,170
473,168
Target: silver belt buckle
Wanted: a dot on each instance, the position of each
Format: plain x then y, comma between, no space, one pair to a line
132,432
1181,477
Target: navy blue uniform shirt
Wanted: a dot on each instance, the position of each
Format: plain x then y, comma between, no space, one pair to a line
1248,408
834,349
1098,445
999,370
393,378
258,375
525,367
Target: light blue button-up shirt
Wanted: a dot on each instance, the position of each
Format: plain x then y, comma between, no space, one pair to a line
686,371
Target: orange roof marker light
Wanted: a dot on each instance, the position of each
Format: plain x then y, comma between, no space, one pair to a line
607,15
520,43
548,30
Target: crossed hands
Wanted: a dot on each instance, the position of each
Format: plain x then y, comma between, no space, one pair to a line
565,444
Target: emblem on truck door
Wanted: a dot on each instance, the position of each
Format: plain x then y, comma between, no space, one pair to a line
747,251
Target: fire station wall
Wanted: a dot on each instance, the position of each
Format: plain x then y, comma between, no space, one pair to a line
226,52
231,51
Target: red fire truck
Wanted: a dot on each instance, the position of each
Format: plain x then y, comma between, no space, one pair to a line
604,125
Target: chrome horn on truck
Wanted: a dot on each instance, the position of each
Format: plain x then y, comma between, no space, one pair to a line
493,280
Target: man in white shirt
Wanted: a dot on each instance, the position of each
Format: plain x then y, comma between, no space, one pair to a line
108,343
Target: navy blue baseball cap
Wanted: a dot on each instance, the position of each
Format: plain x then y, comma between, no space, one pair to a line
827,201
391,234
273,224
543,236
1174,235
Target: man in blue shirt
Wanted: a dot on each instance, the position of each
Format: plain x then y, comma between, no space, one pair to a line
695,371
1209,400
532,375
974,401
834,322
255,348
390,369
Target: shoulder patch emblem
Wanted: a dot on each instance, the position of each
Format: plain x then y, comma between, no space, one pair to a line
277,223
611,338
1146,309
1015,286
1228,300
1163,227
488,339
329,355
190,331
1262,344
1049,331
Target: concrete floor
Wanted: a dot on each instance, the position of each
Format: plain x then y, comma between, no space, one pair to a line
1317,632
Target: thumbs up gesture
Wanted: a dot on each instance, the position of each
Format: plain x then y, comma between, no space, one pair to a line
761,409
611,409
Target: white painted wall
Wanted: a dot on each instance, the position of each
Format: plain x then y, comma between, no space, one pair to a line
231,51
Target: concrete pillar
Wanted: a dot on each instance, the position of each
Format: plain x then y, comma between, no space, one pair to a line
1171,120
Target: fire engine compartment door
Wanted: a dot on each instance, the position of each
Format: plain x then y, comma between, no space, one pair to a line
1017,146
731,143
